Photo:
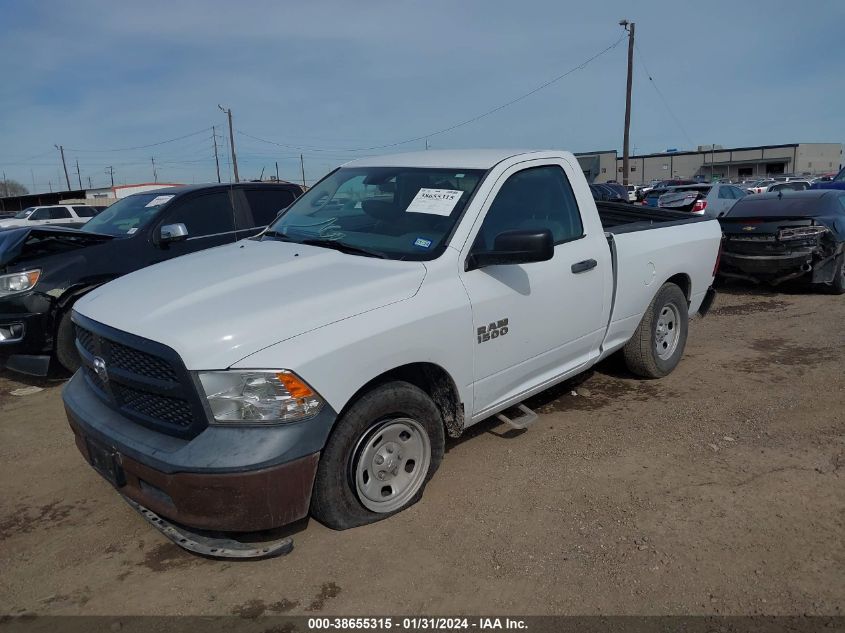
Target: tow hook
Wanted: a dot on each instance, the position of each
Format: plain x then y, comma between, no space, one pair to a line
212,546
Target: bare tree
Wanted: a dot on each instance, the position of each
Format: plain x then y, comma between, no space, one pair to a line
12,188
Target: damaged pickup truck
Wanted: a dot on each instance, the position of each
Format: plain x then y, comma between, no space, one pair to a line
775,237
321,365
44,270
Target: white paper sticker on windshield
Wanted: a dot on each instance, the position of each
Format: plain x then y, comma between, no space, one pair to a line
132,230
434,201
158,201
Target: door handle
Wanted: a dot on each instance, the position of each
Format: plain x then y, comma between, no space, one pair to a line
582,267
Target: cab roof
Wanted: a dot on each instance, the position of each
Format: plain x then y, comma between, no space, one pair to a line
451,158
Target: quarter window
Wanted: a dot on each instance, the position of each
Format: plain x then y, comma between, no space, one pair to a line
535,198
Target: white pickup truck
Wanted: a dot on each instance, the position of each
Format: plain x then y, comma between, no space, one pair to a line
321,365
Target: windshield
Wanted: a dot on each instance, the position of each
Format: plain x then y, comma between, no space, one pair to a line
391,212
127,215
840,177
25,213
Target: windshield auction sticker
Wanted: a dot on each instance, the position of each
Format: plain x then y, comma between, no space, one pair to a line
434,201
158,201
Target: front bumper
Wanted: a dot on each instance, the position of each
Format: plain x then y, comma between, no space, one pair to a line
28,350
238,479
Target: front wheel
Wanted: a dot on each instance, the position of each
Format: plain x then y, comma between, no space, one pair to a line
658,343
379,457
837,286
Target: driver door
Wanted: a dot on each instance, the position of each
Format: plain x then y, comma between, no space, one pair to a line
536,321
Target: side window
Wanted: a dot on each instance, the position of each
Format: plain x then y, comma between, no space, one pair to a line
84,212
207,214
59,213
738,193
535,198
40,214
265,204
725,193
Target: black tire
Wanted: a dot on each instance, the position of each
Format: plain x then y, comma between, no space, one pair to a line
334,501
66,352
641,353
837,286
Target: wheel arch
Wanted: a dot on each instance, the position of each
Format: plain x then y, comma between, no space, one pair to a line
435,381
683,281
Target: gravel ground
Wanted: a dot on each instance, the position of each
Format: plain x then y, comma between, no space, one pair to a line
717,490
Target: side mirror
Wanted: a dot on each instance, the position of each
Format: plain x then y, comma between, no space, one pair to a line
514,247
173,233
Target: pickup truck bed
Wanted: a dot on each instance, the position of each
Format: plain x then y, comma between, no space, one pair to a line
618,217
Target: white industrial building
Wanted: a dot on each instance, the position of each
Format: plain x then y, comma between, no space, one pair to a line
710,162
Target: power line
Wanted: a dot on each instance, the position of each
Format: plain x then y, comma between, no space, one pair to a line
580,66
660,94
127,149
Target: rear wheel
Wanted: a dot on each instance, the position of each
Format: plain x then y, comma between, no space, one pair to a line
379,457
66,352
658,343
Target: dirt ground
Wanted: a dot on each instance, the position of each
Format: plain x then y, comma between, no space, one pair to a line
717,490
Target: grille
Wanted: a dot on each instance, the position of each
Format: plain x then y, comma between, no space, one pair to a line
86,339
139,362
151,388
172,410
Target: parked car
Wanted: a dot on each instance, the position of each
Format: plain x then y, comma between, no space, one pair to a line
605,193
632,193
44,270
760,186
53,215
321,365
712,200
651,197
790,185
837,182
774,237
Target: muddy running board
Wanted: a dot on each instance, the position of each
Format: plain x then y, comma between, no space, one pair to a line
209,545
527,417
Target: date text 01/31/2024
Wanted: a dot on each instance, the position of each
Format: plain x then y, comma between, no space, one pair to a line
416,623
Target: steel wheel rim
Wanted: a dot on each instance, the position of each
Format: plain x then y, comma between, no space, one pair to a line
391,464
667,332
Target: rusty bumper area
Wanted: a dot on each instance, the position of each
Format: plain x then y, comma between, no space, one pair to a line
230,502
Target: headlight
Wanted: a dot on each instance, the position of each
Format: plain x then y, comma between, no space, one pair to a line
801,232
18,282
259,396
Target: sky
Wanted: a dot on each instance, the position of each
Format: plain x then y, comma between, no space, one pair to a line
115,83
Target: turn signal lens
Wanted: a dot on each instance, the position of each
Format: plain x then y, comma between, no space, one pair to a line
295,386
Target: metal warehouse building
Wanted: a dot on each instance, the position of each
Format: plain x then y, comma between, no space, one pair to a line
714,161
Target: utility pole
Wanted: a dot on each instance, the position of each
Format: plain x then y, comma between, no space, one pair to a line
216,159
78,175
231,141
64,164
110,172
5,186
155,173
277,171
628,26
32,175
302,167
90,186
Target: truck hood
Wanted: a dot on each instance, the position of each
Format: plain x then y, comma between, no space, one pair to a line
218,306
29,243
